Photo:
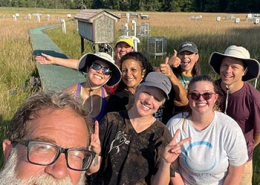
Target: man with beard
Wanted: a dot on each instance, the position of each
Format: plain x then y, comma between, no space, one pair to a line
48,142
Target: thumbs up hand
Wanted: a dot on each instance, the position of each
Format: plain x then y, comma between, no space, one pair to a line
165,68
174,61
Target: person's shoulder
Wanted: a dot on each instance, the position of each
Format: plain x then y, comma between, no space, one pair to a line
112,118
159,124
161,129
122,114
224,120
177,120
222,116
181,115
251,89
252,93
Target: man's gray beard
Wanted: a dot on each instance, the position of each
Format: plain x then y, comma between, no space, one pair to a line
8,176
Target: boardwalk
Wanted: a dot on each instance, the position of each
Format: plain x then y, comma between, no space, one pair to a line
53,77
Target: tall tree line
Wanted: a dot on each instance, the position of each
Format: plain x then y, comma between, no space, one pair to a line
238,6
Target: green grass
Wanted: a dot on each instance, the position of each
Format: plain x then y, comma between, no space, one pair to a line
16,61
17,65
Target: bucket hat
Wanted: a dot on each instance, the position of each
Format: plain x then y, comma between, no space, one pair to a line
188,46
86,61
159,80
126,39
238,52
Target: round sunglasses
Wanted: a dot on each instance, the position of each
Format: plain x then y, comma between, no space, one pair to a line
105,70
206,95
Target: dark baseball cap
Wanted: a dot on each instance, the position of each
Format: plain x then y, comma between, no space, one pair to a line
159,80
188,46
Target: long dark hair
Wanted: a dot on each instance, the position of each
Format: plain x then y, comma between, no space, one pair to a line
145,64
196,70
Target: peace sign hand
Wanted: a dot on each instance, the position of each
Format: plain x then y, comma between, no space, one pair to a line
95,142
173,149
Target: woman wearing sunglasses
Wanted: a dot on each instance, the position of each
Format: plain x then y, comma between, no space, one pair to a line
123,45
216,153
100,69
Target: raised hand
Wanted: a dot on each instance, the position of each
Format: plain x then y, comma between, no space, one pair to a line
95,142
45,59
174,61
173,149
95,147
165,68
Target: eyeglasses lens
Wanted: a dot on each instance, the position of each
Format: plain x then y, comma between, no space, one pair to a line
196,96
79,159
105,70
42,153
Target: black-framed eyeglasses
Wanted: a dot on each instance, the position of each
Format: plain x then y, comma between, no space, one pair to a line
206,95
44,154
105,70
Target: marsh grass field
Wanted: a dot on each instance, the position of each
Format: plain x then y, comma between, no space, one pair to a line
17,63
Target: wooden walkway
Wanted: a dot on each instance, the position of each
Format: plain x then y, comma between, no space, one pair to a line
53,77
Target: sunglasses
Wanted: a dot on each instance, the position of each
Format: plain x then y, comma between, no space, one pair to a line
105,70
196,96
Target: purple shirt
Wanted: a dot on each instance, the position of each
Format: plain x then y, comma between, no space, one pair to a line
244,107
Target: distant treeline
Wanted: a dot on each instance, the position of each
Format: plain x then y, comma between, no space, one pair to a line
236,6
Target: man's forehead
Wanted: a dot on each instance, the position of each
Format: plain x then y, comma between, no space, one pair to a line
58,125
231,60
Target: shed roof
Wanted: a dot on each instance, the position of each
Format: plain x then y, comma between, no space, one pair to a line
89,15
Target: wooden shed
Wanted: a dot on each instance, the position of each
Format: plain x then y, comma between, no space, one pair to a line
97,25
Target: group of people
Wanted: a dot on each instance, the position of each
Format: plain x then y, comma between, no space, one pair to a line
140,126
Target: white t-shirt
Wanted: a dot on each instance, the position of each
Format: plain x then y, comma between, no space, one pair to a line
205,158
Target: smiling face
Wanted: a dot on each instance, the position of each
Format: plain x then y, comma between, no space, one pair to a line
148,100
201,105
232,71
62,127
122,48
97,78
132,73
188,60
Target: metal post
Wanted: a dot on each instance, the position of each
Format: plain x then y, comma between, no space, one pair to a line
255,82
82,45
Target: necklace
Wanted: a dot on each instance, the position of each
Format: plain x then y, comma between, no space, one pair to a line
185,80
90,95
91,98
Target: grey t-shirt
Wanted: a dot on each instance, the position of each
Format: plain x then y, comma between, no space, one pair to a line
205,159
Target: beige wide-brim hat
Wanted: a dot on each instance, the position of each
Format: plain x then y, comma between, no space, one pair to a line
252,65
86,61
